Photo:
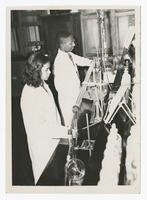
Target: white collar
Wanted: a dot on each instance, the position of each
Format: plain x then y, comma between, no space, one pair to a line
63,52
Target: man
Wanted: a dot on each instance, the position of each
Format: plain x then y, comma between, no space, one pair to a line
67,80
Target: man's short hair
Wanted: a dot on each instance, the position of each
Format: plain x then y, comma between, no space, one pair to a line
61,35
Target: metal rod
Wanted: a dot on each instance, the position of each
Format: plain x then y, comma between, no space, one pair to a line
88,132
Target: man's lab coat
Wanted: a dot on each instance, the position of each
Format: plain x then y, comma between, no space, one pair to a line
67,82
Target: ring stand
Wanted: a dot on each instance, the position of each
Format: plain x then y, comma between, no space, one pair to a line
119,101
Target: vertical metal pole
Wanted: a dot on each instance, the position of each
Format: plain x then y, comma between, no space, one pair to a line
88,132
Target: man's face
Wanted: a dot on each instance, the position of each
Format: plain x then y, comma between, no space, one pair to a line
67,44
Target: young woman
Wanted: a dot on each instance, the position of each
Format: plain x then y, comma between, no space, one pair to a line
40,115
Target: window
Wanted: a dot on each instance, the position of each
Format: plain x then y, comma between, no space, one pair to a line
92,32
124,19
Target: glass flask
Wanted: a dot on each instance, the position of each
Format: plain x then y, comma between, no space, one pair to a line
75,171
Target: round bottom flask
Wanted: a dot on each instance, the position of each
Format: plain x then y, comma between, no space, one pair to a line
75,171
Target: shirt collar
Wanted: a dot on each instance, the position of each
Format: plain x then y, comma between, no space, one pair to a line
63,52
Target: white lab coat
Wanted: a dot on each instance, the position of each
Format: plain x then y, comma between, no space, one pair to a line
42,124
67,82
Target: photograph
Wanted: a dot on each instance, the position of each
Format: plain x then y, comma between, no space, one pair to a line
73,99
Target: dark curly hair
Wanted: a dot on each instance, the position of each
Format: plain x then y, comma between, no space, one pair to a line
32,72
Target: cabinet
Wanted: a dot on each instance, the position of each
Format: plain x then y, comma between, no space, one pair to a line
25,31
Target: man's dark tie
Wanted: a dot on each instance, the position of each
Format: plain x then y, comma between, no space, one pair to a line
70,57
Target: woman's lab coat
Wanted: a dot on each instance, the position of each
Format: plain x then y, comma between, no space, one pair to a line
42,124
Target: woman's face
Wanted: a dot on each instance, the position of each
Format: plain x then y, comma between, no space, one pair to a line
45,71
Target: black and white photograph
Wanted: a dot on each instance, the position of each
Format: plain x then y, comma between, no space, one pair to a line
73,99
